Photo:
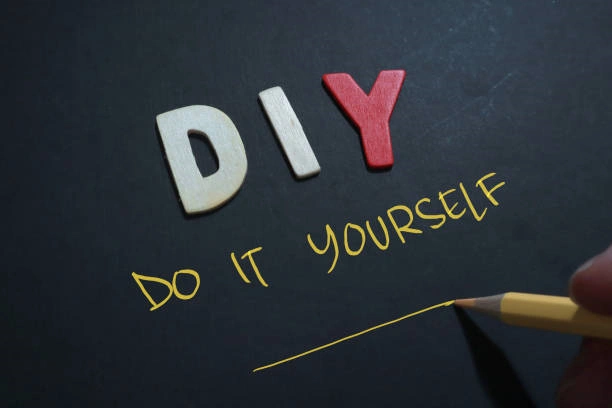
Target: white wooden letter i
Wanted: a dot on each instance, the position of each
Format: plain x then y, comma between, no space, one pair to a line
289,133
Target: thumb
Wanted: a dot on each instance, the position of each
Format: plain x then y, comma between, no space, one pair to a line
588,380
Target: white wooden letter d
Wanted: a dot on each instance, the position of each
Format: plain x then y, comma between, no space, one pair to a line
200,194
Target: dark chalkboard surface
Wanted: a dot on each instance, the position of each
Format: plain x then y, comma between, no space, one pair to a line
519,89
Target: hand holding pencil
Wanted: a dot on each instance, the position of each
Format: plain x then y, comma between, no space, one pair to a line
588,380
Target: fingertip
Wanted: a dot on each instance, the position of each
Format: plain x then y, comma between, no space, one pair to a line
577,275
591,284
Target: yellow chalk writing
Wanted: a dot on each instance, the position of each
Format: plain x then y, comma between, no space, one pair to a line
195,290
249,254
380,246
172,289
239,268
449,211
405,227
471,206
487,192
331,238
352,336
357,228
444,212
354,237
139,278
441,217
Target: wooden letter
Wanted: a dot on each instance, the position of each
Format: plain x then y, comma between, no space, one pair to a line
197,193
371,112
289,133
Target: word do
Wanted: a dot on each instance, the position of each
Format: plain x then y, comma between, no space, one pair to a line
172,289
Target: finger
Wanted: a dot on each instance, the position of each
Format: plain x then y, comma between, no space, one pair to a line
591,284
588,380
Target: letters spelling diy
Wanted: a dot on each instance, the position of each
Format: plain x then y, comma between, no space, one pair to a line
370,113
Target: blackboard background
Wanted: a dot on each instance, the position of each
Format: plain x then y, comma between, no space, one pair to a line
518,88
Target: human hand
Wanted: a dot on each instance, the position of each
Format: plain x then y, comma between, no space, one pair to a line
588,380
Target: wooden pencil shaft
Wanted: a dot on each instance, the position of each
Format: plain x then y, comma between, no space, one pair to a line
554,313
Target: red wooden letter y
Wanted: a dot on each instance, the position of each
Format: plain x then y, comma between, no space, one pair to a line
371,112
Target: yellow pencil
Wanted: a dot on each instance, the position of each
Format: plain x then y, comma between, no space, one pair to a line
542,312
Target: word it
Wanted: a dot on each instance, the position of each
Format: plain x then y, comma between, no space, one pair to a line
354,246
249,254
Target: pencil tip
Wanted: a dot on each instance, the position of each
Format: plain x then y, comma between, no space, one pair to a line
467,303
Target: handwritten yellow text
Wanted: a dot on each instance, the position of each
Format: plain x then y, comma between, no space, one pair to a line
352,336
172,287
249,254
402,218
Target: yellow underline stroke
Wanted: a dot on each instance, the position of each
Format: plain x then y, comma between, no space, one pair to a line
333,343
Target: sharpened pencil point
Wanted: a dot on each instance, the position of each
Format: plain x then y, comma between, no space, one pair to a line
467,303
